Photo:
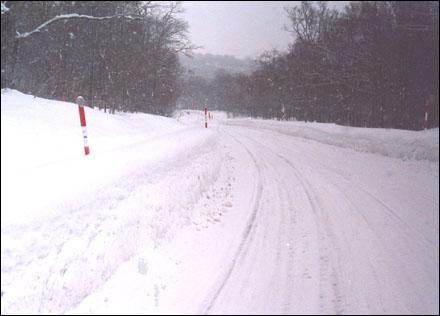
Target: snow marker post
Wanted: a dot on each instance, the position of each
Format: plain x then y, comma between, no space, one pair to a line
82,117
428,108
426,120
206,118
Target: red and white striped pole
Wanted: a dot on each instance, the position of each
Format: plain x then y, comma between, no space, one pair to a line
82,117
206,118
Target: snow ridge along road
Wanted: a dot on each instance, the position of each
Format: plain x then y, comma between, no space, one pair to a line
243,217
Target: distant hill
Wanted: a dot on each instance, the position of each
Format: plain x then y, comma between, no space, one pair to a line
206,65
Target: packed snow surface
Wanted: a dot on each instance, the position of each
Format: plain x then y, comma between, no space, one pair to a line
245,216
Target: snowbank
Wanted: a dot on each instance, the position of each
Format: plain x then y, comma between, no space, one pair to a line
68,220
43,156
402,144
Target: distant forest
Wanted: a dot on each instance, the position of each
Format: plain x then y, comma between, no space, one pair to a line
375,64
207,66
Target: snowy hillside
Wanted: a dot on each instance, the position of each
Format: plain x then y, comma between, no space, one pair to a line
246,216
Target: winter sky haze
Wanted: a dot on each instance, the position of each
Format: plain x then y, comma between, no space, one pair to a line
240,28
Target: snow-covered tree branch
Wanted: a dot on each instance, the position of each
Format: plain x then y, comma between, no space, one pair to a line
4,8
71,16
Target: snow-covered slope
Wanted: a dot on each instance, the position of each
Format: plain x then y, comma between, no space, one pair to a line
84,215
42,151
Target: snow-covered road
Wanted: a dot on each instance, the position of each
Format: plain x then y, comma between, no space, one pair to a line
311,228
245,217
332,231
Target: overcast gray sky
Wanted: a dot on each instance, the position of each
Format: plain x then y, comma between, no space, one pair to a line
239,28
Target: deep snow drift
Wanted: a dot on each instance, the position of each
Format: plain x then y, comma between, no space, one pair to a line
247,216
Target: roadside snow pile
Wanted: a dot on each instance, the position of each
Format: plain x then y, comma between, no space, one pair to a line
49,130
43,166
402,144
68,220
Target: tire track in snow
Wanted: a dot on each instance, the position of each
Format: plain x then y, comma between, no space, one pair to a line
328,275
376,303
388,209
351,278
286,280
373,269
245,240
327,270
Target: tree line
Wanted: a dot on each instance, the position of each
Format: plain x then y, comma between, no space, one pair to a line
375,64
117,54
